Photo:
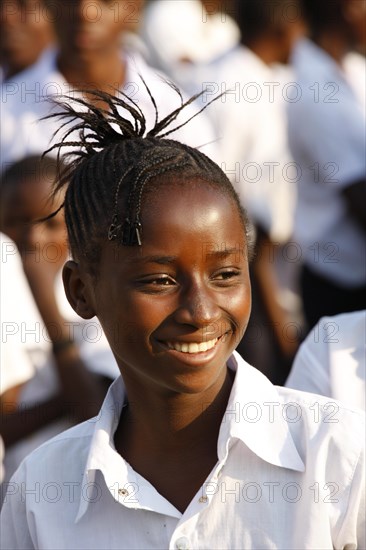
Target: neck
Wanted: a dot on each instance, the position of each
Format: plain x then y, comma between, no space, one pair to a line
172,423
265,50
96,71
334,43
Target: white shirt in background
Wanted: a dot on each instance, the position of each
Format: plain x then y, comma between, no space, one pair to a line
26,354
182,34
252,133
354,67
331,361
23,105
328,141
290,474
17,311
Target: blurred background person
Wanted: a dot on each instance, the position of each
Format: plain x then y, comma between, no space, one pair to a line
26,33
90,55
253,127
185,38
55,366
327,140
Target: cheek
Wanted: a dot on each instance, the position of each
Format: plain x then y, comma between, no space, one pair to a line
146,313
128,318
58,237
239,304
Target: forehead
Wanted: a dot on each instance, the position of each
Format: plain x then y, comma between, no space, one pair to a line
30,195
192,204
187,221
27,187
92,7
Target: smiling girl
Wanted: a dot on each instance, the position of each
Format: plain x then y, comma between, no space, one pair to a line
193,448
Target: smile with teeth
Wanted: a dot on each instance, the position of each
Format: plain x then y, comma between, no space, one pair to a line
192,347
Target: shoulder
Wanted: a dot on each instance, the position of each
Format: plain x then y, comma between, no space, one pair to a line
348,322
312,419
29,83
337,332
324,429
331,361
60,459
325,434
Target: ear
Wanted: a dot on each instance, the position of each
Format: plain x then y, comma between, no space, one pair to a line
77,291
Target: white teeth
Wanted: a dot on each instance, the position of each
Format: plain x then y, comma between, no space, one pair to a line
193,347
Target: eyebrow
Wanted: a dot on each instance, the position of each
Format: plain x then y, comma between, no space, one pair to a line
222,254
168,260
161,260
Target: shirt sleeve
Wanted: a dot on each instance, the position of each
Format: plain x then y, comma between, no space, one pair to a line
310,370
329,139
14,527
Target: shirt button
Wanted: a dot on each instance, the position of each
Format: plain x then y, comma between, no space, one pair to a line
203,499
122,492
182,543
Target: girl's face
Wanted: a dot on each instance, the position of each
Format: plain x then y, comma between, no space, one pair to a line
175,308
25,31
23,203
87,27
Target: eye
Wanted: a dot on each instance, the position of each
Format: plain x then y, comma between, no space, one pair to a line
156,283
162,281
226,275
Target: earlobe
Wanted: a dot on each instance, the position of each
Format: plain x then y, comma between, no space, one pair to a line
76,290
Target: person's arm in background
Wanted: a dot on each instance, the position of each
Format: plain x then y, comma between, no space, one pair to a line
17,422
81,391
269,288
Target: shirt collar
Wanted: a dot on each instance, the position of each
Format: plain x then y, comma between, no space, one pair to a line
257,416
307,57
102,454
254,415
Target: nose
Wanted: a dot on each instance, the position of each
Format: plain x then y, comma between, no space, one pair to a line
197,306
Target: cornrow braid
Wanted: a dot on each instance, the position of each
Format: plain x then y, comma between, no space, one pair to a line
114,162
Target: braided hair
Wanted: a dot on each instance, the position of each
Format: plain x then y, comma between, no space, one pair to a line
116,163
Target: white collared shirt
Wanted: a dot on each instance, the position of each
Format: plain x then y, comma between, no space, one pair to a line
23,105
202,37
332,360
326,125
251,121
289,475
